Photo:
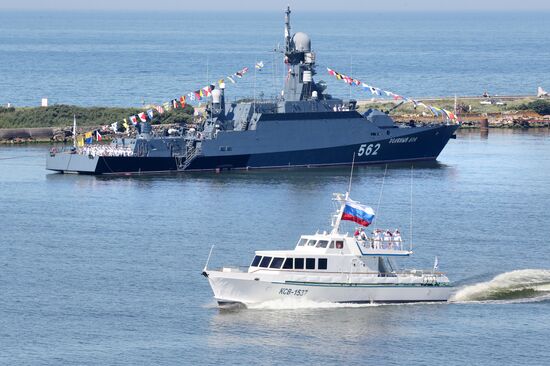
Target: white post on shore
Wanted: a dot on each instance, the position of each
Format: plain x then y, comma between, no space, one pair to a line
74,130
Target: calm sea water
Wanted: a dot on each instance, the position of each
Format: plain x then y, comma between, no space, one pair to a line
127,58
97,270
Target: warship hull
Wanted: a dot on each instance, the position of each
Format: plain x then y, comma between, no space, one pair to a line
415,144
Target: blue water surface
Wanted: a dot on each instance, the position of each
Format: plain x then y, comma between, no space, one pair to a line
99,270
131,58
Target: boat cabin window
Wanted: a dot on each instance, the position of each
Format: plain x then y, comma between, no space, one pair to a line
339,244
302,242
276,263
289,263
311,243
310,263
322,263
322,244
331,246
256,261
265,262
298,263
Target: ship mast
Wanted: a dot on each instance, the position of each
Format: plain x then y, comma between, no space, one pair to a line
300,60
287,28
337,218
342,199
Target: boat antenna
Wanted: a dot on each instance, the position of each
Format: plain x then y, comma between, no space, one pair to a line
254,104
411,223
208,259
351,72
380,196
351,174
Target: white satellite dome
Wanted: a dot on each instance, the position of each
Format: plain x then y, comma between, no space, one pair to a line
302,42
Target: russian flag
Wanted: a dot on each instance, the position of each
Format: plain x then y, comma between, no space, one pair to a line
363,215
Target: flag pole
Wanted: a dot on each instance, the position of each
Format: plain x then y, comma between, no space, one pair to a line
74,130
351,72
411,222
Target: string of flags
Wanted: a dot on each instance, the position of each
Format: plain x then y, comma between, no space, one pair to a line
380,92
182,101
179,102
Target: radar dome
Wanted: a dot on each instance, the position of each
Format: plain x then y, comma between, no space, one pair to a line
302,42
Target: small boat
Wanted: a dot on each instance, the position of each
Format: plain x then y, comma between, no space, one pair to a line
332,267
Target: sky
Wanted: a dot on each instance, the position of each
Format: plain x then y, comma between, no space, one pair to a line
277,5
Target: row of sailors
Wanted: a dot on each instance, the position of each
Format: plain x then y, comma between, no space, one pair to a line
381,239
105,150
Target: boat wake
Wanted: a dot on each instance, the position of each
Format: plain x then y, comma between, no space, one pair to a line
294,304
526,285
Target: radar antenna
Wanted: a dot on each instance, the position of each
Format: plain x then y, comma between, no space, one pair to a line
287,28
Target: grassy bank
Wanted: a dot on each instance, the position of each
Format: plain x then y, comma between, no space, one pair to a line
62,115
465,106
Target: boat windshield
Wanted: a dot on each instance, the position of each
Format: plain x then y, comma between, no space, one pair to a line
322,244
302,242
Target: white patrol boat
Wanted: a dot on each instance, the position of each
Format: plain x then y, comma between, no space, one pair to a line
331,267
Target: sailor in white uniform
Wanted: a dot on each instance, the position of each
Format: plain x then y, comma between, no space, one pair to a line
397,241
387,239
362,234
377,238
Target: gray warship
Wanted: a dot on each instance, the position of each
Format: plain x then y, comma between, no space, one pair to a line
305,127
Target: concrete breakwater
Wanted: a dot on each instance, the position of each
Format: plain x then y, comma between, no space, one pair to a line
26,134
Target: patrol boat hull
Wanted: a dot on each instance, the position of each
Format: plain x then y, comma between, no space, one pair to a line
243,288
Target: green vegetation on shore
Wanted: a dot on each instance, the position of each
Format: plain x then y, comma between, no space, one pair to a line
540,106
62,115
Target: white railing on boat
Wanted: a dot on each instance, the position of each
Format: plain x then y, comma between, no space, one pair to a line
105,150
370,243
403,273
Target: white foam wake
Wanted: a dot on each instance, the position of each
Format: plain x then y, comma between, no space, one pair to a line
525,284
293,304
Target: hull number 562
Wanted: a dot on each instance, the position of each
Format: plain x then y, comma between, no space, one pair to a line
370,149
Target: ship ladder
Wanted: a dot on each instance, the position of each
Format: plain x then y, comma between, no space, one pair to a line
183,161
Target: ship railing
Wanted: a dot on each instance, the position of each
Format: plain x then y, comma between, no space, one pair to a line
371,243
403,273
93,150
104,150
